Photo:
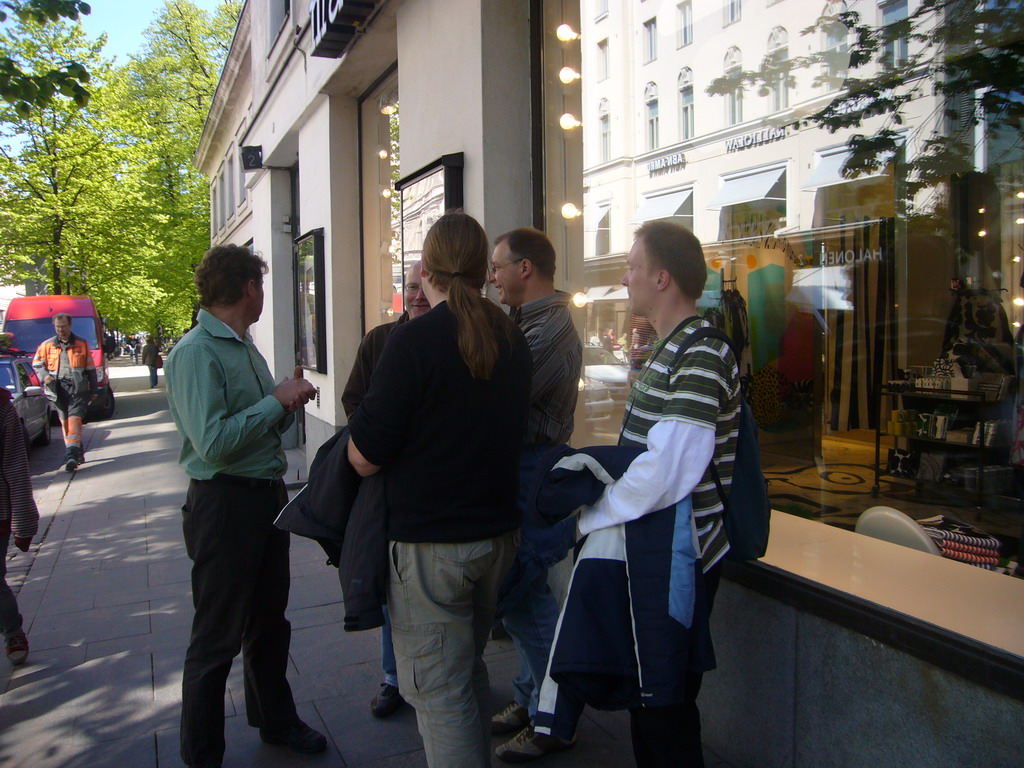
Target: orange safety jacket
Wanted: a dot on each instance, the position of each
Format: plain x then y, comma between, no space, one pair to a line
83,370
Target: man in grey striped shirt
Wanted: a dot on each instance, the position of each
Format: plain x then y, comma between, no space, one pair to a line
523,271
684,413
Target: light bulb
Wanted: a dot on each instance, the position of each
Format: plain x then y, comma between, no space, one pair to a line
570,211
568,122
1019,301
981,210
565,33
1019,221
982,232
568,74
1021,194
383,154
1015,259
580,299
385,193
1016,324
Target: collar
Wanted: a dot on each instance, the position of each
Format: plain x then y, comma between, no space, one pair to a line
533,309
217,327
71,340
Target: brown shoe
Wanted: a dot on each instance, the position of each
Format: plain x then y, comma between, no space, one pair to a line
511,719
528,745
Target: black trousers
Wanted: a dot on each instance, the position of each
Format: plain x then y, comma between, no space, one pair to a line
240,581
669,737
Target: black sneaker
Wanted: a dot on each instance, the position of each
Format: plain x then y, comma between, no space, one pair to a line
387,701
299,737
70,464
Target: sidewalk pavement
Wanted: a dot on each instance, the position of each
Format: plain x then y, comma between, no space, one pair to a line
105,596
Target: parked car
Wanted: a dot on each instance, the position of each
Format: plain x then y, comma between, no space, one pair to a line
598,403
29,320
601,365
29,400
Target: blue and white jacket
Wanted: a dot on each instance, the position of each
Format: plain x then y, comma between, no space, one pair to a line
635,619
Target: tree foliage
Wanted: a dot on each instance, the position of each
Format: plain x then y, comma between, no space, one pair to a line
103,199
969,54
26,89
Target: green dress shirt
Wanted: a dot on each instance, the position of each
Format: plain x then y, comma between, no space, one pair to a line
220,392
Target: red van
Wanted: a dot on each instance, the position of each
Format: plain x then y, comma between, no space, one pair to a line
29,320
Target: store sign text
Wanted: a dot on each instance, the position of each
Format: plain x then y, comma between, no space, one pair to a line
674,162
755,139
849,256
335,22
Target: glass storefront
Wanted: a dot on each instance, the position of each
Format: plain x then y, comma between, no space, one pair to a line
862,219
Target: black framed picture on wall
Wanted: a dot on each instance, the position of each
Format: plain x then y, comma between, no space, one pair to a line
425,196
310,306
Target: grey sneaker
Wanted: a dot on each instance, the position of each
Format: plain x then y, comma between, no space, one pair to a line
528,745
512,718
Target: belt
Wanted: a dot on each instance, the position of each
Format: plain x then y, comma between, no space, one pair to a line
248,482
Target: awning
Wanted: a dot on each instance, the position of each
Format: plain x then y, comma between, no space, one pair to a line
607,293
821,288
829,171
662,206
594,214
764,185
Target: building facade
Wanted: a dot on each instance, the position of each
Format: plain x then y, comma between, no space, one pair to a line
876,293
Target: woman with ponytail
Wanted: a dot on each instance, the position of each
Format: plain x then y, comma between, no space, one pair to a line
444,419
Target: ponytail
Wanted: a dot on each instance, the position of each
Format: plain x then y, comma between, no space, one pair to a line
455,256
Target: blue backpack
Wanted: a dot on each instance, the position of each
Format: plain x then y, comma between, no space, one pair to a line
747,506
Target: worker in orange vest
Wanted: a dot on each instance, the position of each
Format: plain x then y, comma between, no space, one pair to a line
64,363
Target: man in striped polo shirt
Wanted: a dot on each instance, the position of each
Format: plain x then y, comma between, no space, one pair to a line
686,414
523,271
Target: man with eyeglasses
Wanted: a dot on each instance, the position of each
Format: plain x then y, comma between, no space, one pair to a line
388,700
523,272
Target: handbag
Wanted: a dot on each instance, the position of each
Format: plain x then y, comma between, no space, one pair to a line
158,361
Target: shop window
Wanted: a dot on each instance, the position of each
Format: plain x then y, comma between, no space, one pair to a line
734,98
651,100
310,301
896,45
733,11
602,60
686,116
229,180
778,58
650,40
684,17
605,129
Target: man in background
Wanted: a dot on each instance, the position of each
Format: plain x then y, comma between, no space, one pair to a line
523,271
388,699
64,365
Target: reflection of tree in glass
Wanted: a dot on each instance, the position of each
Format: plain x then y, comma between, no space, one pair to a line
970,54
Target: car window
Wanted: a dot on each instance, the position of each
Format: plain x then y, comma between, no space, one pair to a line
7,375
23,375
33,377
599,356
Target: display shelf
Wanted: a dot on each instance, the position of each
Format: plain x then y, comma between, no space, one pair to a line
971,412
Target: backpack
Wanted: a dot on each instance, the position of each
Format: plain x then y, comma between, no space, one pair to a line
747,508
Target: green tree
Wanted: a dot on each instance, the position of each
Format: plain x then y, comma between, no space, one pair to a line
24,90
170,88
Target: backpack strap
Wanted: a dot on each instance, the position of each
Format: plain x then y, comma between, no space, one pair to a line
707,332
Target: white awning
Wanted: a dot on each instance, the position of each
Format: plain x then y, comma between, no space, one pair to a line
753,186
594,214
607,293
829,171
662,206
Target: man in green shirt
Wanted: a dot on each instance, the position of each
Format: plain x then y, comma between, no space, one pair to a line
231,416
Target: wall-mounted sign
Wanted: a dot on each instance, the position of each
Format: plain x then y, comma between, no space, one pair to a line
754,139
335,22
674,162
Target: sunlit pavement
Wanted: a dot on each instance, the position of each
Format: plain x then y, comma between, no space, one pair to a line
105,596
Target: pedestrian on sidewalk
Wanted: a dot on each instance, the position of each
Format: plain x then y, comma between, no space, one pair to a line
18,516
64,364
150,354
231,417
388,698
523,271
445,415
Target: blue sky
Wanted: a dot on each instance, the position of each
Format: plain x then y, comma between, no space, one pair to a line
124,21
